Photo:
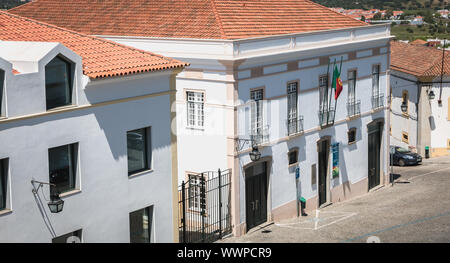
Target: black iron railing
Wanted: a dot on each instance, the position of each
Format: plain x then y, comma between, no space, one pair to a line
377,101
295,126
326,117
353,108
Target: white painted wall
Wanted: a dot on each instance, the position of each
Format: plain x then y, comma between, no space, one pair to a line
440,131
107,195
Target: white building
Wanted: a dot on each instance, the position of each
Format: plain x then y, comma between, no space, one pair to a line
248,77
425,123
93,118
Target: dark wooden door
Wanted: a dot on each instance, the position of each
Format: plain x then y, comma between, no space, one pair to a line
256,195
323,168
374,141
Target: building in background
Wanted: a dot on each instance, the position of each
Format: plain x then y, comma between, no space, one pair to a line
420,78
92,118
259,78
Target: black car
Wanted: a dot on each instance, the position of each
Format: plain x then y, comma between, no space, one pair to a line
404,156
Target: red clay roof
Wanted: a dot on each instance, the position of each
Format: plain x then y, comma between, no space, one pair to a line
206,19
420,61
419,42
15,72
101,58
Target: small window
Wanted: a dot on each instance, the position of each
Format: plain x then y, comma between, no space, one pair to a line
141,222
62,168
351,135
405,137
2,81
139,150
58,83
73,237
293,156
195,105
3,183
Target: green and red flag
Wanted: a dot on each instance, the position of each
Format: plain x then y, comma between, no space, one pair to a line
337,82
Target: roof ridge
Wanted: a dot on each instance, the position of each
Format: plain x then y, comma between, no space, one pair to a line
87,36
219,20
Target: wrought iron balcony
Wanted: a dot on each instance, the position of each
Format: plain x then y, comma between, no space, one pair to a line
295,126
353,108
260,135
326,117
377,101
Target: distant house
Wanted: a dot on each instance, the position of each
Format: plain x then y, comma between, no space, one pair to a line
418,20
424,121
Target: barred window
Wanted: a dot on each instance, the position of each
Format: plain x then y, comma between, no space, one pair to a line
195,105
323,92
194,192
375,80
256,120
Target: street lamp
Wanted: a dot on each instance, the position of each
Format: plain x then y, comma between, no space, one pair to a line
55,204
255,155
404,107
430,95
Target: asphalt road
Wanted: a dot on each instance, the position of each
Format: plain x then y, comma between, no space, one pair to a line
415,209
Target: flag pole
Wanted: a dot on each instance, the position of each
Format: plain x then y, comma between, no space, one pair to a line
331,95
335,101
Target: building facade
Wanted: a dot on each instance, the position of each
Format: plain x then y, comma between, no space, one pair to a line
81,127
253,83
417,84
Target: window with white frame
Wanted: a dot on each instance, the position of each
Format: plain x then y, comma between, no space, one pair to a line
195,109
352,86
194,195
323,93
58,83
256,114
292,97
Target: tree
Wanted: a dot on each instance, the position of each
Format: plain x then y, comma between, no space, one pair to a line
377,16
363,18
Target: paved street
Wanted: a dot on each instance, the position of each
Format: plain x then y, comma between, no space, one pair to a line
415,209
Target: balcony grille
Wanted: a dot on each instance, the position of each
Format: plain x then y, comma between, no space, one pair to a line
295,126
377,101
353,108
326,117
260,135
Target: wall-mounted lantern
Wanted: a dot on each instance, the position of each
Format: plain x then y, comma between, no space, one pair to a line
55,204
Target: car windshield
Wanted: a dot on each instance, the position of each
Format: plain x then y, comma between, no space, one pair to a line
402,150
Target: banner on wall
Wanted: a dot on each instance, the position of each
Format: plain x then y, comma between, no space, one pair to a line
335,151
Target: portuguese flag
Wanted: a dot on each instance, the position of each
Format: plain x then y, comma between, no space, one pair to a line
337,82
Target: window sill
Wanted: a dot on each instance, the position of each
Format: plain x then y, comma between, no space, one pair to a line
350,143
62,108
140,173
293,165
5,212
70,193
195,128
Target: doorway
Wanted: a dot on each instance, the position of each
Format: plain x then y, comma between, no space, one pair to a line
374,153
256,194
324,152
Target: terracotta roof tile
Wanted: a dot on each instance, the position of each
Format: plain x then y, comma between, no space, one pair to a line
101,58
420,61
207,19
419,42
15,72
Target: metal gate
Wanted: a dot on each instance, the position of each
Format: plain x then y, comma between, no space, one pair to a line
204,207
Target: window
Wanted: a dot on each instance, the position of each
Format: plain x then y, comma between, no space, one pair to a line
405,98
139,150
405,137
352,86
323,93
62,168
3,183
194,195
58,88
351,136
293,156
195,105
141,222
292,96
72,237
375,80
2,81
256,120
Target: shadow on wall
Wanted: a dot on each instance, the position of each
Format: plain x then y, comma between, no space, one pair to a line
432,123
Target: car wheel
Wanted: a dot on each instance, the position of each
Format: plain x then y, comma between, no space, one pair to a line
401,162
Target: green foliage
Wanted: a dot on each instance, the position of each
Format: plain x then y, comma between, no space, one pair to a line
7,4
